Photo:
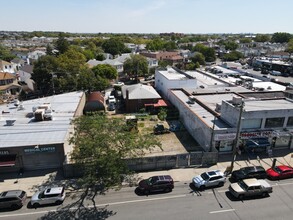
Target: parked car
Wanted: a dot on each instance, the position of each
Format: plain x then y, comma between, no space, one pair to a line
12,199
162,183
54,195
209,179
280,172
257,172
250,187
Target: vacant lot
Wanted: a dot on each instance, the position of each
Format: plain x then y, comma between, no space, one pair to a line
172,143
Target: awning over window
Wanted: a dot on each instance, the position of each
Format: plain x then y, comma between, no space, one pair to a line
160,103
258,143
7,160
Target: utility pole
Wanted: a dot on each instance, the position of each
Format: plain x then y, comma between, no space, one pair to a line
234,150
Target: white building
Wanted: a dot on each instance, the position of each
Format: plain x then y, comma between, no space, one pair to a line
172,79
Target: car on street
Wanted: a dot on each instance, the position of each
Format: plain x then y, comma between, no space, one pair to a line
280,172
209,179
257,172
163,183
250,187
12,199
51,195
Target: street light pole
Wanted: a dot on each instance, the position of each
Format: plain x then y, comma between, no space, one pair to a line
234,150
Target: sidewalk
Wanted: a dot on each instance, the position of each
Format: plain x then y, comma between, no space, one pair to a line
31,181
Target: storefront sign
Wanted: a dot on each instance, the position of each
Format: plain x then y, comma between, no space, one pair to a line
224,137
4,152
39,150
249,135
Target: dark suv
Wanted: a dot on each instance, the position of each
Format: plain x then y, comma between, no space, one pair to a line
163,183
257,172
12,199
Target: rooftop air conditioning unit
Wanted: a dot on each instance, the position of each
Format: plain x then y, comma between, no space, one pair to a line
218,107
236,100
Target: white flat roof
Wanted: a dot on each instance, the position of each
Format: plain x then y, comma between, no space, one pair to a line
26,131
201,112
263,105
172,74
205,79
268,86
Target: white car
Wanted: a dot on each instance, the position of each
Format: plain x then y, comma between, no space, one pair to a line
209,179
54,195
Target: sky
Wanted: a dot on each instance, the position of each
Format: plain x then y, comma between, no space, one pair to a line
148,16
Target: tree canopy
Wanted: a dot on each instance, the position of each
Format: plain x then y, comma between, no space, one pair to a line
232,56
137,65
114,46
281,37
61,44
209,53
101,146
5,54
262,38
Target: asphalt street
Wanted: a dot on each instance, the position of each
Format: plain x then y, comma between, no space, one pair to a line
184,202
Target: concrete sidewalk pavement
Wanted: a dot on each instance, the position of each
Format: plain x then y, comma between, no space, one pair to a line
33,180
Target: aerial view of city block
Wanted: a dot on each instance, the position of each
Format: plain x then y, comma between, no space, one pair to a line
146,109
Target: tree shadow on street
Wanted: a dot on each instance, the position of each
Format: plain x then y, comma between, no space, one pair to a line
78,210
81,214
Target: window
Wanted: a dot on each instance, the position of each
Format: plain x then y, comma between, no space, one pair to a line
274,122
290,121
251,123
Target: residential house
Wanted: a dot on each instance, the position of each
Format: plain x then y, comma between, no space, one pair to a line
114,63
171,56
35,55
137,96
17,63
6,67
8,84
24,74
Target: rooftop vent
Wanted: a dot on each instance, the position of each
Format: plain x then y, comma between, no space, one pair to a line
10,122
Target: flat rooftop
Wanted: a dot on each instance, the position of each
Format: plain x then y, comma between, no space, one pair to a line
205,79
26,131
172,74
263,105
201,112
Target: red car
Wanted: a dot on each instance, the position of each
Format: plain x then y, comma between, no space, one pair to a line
280,172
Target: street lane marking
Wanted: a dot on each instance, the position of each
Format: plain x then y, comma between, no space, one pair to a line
28,213
220,211
140,200
92,206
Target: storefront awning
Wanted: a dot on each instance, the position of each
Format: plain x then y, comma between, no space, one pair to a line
7,160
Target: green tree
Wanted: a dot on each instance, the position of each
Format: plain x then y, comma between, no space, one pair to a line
162,115
62,45
136,65
231,45
262,38
232,56
44,70
245,40
113,46
190,66
155,45
281,37
5,54
289,48
209,53
198,57
105,71
101,146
